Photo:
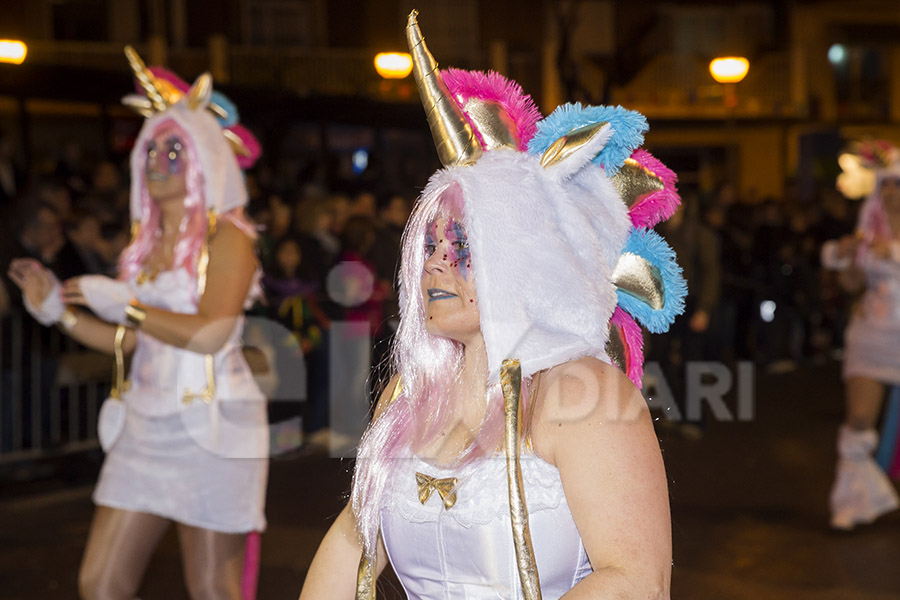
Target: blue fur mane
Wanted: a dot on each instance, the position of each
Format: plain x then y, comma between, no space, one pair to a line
628,131
651,246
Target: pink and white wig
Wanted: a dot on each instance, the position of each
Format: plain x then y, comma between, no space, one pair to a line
214,179
865,164
547,226
873,218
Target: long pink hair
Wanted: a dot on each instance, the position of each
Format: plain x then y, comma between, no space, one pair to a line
429,368
192,230
873,218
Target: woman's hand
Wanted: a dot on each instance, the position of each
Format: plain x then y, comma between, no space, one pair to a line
885,248
105,296
40,289
848,245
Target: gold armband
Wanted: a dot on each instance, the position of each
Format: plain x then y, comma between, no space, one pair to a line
135,315
68,319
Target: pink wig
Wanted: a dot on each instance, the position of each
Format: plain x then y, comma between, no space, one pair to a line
428,366
192,230
873,219
193,226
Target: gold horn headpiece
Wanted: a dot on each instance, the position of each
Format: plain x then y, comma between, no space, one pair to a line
456,142
161,94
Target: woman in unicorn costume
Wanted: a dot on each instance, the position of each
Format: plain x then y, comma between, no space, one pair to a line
524,266
186,435
870,259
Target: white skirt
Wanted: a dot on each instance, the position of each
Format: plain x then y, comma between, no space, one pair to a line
873,351
155,466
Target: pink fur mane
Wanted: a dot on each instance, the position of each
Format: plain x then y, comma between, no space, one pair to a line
660,205
633,342
494,87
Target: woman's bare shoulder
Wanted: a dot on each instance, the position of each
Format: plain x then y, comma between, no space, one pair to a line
577,397
388,395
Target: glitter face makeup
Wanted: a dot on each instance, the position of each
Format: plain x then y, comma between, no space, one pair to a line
462,258
165,158
448,285
167,163
457,254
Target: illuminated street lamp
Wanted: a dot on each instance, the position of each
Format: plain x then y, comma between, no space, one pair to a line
393,65
728,71
12,51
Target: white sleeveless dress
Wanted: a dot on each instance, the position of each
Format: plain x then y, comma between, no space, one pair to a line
873,337
197,463
467,551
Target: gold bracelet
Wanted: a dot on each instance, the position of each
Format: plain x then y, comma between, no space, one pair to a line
135,315
68,319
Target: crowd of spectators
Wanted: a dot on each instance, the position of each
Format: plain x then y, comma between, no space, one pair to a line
72,216
757,291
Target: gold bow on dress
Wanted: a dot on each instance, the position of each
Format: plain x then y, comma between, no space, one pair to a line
446,488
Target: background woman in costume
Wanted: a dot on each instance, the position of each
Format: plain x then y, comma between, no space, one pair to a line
869,261
531,245
186,437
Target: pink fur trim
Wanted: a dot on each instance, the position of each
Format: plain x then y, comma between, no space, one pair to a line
494,87
245,162
658,206
169,76
633,341
250,576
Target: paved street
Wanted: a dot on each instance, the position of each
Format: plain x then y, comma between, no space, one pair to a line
748,499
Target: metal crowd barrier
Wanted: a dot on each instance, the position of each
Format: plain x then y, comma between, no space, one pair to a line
50,391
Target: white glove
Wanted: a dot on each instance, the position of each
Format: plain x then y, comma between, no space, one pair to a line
106,297
831,259
51,309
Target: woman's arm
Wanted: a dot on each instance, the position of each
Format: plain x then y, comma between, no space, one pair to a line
232,265
332,574
594,425
97,334
37,283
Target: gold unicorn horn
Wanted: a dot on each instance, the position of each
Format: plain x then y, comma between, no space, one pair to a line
146,79
456,143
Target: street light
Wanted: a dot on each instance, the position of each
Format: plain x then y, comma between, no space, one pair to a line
12,51
729,70
393,65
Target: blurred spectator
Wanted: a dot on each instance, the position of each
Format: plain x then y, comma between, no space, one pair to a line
338,205
107,191
4,300
363,204
292,303
41,237
83,233
11,175
393,212
277,226
114,237
55,195
292,298
689,339
320,246
70,168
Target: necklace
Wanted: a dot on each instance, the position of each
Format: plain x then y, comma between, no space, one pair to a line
163,252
